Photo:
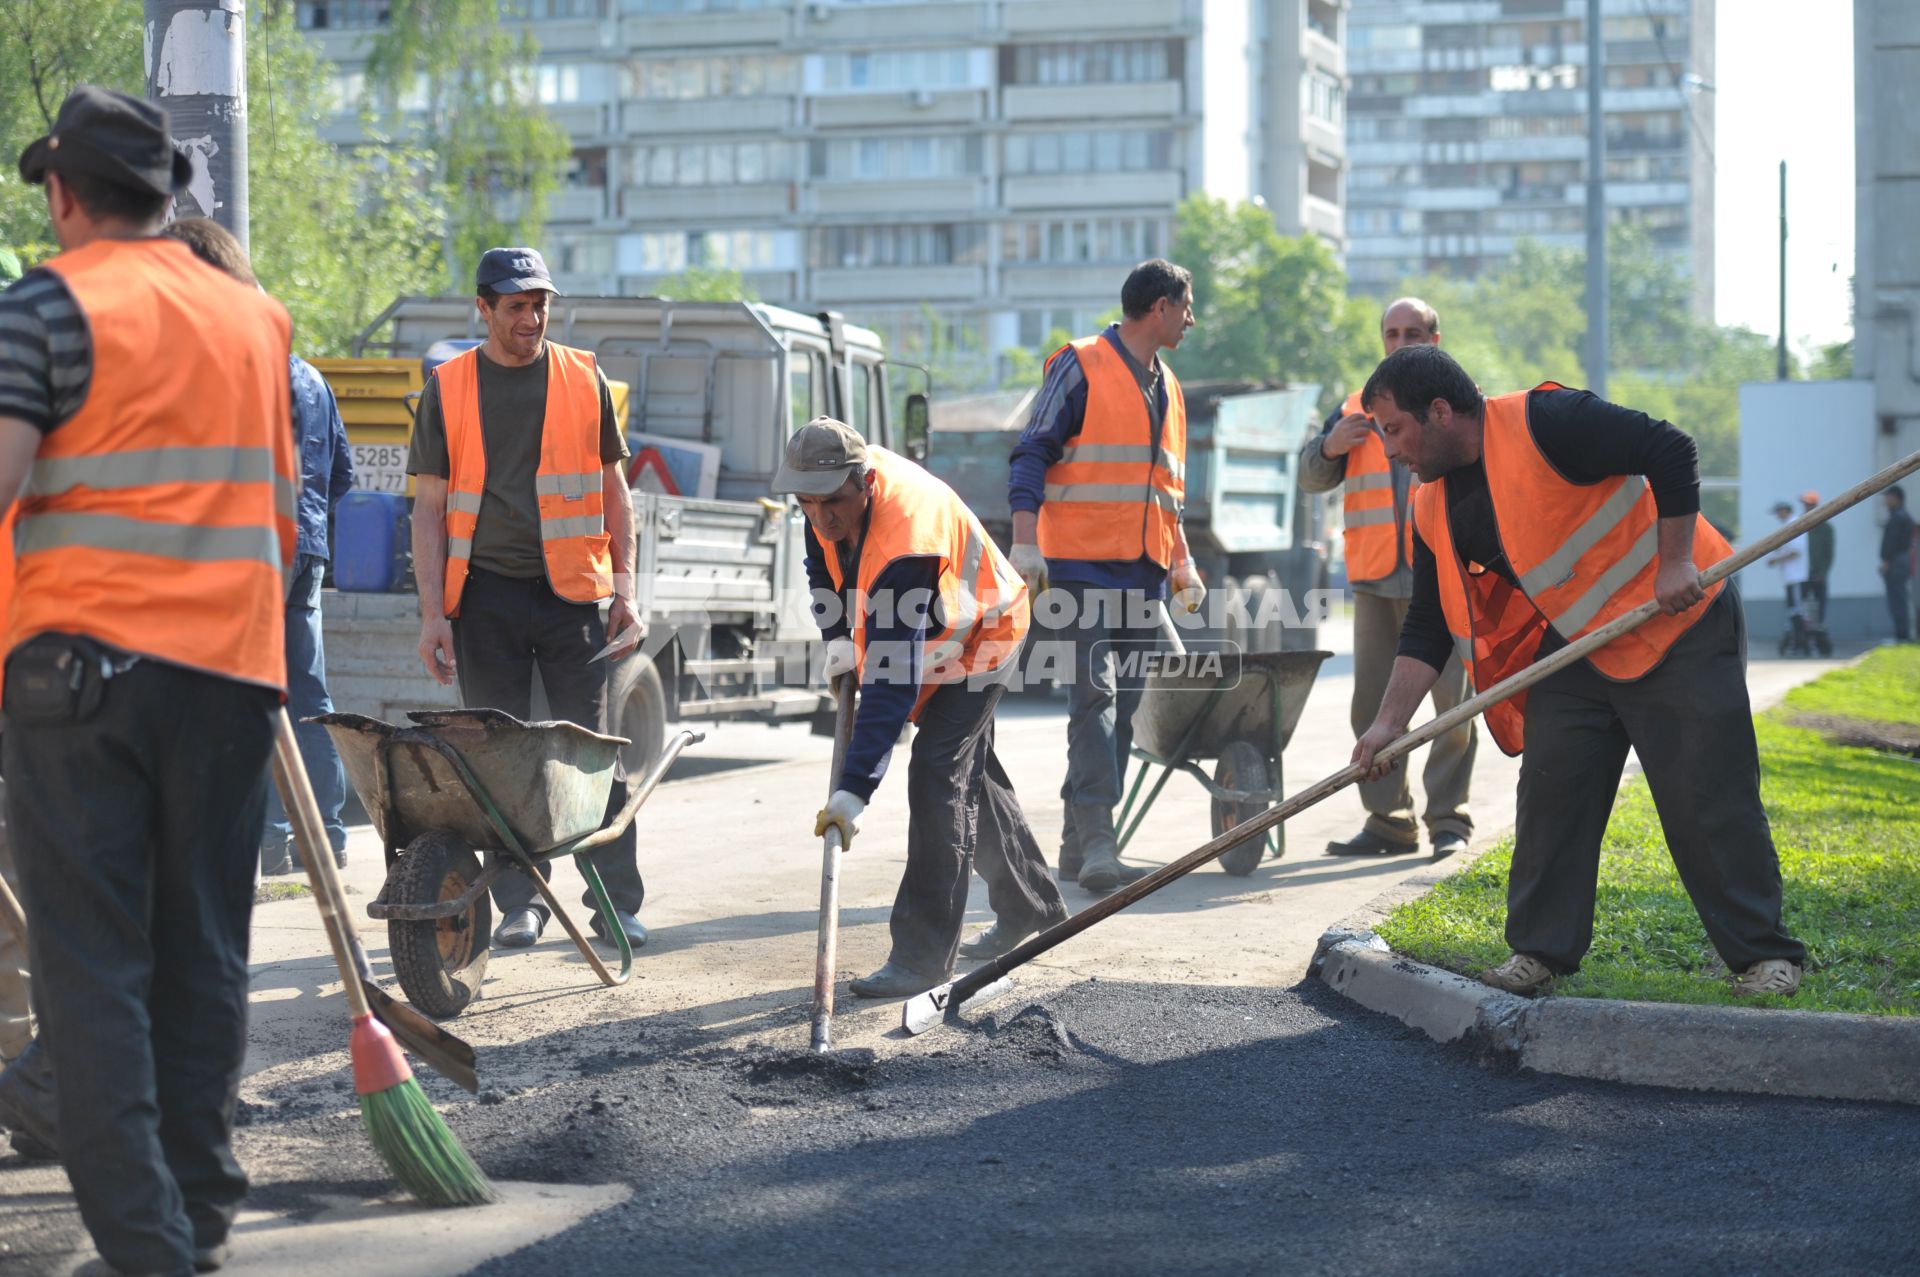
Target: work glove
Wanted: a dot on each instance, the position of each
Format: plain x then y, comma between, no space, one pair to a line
1031,565
842,812
841,658
1189,592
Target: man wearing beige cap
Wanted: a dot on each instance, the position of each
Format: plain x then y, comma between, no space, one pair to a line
916,601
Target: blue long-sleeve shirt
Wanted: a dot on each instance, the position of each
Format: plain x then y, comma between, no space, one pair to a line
326,462
1059,410
896,639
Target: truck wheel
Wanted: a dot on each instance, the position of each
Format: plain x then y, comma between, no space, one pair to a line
439,962
1243,767
640,715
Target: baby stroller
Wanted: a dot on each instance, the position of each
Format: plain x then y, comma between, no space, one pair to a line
1805,634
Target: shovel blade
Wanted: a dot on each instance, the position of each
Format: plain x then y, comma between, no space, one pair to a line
426,1041
924,1010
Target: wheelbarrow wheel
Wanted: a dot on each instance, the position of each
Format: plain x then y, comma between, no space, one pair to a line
439,962
1242,766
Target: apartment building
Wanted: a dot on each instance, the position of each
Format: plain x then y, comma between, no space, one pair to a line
1467,132
962,175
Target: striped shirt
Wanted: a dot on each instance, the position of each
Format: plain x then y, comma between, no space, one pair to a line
46,352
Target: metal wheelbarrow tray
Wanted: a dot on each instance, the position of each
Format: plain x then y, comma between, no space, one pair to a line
1242,714
460,782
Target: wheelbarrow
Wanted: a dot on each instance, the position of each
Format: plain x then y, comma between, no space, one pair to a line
465,781
1239,711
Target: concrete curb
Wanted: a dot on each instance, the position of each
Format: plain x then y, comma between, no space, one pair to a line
1817,1054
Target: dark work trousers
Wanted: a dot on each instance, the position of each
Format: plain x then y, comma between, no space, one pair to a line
1100,705
136,829
962,811
1898,608
1690,723
506,627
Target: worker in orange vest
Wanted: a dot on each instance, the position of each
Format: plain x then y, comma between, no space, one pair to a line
144,407
1097,485
1376,497
1541,516
522,528
917,603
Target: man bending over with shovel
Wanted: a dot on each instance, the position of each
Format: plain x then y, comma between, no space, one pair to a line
1542,516
915,599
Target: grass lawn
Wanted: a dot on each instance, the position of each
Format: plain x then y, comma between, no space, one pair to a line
1846,822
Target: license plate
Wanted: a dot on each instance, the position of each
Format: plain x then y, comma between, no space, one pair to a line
380,467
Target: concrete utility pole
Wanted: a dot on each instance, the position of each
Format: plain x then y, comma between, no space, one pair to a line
196,63
1596,207
1780,352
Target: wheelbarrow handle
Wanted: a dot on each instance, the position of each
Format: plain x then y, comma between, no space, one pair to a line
638,795
1466,711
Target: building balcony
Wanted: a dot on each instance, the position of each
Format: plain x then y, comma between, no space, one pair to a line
956,106
776,286
580,119
701,30
567,35
577,204
1324,218
1522,150
1324,137
1157,189
1022,102
881,200
1075,19
918,23
343,46
895,284
645,118
694,205
1622,194
1319,51
1096,283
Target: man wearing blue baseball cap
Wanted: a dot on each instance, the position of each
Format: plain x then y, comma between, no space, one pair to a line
522,528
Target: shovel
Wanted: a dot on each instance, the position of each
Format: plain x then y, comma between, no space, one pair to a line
826,955
925,1010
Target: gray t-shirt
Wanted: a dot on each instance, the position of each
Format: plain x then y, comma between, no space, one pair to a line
513,407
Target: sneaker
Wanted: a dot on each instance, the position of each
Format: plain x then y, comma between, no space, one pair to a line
1519,974
1774,975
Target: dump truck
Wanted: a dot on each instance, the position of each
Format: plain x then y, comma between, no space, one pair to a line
1248,524
714,390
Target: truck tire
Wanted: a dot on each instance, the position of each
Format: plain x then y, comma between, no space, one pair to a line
640,714
439,962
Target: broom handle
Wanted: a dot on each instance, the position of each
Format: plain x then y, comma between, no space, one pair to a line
827,949
303,812
981,977
12,917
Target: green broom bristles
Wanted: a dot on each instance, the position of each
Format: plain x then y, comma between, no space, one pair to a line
413,1140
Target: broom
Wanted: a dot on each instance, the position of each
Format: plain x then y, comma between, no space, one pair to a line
410,1136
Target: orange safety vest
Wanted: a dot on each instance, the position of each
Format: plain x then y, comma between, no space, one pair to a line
1112,495
1584,554
982,599
1372,524
159,519
573,528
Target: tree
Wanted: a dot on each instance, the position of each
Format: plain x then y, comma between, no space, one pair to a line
1268,306
496,155
705,284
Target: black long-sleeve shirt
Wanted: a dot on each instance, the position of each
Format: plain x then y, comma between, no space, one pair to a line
1587,440
1896,538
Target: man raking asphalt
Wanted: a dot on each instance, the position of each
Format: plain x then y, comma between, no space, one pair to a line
925,1010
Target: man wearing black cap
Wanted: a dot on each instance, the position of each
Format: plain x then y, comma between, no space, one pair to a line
522,527
147,395
916,601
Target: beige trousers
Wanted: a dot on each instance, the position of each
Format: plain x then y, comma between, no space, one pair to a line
1449,770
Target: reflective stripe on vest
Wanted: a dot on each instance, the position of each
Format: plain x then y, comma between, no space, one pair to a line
1584,554
159,519
1113,495
1372,526
982,600
568,485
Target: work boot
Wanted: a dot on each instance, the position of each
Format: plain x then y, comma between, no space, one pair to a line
1368,843
276,859
520,930
635,929
893,980
1003,938
1070,857
1100,867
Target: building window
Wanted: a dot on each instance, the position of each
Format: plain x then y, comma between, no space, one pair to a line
1113,240
1091,62
894,71
331,15
1324,98
697,6
894,158
667,252
746,76
713,164
938,244
587,167
1076,151
1520,78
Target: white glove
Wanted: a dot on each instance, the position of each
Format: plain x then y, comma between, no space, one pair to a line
1031,565
1189,592
841,657
842,812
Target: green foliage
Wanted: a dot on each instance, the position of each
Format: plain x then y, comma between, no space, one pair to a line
706,284
1269,307
1027,367
497,154
1832,362
1849,857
